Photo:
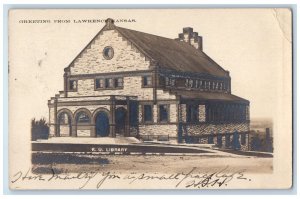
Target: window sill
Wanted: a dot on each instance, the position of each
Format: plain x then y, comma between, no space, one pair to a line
113,88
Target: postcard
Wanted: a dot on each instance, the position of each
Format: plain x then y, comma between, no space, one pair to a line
150,99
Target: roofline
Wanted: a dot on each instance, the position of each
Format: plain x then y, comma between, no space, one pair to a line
90,42
137,46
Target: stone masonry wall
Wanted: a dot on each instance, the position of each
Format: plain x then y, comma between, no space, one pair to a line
126,57
132,86
157,129
202,129
173,113
202,113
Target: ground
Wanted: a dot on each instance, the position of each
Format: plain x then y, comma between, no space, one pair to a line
159,163
142,157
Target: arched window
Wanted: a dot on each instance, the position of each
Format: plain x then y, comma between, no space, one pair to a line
82,117
64,118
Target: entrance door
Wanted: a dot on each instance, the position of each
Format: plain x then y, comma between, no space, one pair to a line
102,124
120,121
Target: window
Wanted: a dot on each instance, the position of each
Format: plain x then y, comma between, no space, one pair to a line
119,82
72,85
221,86
210,139
243,139
219,140
211,87
167,80
148,113
227,141
147,81
82,117
172,82
196,83
191,83
99,83
63,118
109,83
108,52
192,113
163,113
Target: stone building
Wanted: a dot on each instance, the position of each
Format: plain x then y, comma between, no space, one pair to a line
130,83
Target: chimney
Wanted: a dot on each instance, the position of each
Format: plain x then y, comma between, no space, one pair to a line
191,38
109,24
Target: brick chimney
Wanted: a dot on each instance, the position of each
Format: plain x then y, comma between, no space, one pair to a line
191,38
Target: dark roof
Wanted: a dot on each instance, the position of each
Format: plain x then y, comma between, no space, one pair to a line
210,96
172,54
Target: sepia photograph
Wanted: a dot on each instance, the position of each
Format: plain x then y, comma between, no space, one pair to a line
150,99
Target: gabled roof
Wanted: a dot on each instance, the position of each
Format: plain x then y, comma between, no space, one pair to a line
172,54
167,53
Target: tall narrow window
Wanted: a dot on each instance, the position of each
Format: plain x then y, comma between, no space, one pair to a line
172,82
109,83
148,113
147,81
167,80
119,82
99,83
192,113
191,83
72,85
163,113
243,139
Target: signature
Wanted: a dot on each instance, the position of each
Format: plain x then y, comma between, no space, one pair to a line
193,178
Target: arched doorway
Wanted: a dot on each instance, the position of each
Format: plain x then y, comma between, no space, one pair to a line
64,124
83,120
120,119
102,124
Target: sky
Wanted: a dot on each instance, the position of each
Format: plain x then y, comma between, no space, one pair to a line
253,44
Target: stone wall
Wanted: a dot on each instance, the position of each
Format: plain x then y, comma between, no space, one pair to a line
173,113
83,133
64,130
126,57
202,113
182,113
161,95
157,129
205,129
131,86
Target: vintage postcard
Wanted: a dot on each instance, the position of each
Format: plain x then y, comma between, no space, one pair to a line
150,99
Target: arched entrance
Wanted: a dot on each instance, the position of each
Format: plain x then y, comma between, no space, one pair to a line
64,124
83,120
102,124
120,119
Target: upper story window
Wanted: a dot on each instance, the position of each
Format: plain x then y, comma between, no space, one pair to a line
99,83
109,83
163,113
167,80
72,85
172,82
147,81
108,52
119,82
191,83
